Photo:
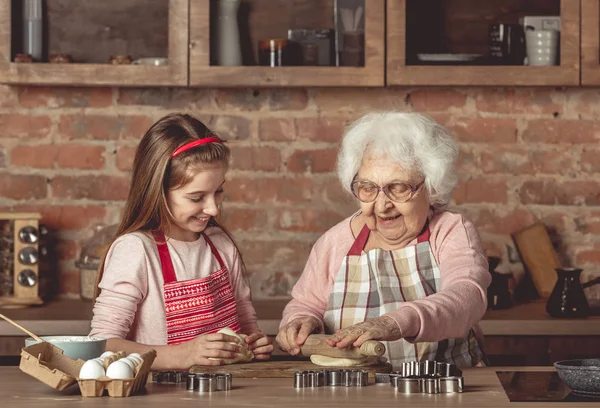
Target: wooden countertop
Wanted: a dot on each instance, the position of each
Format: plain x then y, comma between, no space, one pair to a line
482,388
73,317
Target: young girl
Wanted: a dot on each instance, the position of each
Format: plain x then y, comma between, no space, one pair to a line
173,277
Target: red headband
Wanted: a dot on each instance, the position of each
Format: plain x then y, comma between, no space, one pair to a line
195,143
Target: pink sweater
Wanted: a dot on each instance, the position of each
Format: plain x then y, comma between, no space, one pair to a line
450,313
131,304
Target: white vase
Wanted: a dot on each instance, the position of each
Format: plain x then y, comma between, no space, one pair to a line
228,47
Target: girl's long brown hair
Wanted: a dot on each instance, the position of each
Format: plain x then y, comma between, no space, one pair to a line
155,173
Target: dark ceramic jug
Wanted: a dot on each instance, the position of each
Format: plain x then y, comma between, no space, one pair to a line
567,298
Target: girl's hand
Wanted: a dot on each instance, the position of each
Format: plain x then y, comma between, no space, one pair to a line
382,328
294,334
260,345
205,347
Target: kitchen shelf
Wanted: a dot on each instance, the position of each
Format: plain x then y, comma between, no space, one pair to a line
204,74
590,42
175,73
567,73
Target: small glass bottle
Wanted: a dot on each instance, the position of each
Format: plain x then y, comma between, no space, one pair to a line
273,53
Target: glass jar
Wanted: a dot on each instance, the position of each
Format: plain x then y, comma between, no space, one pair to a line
91,255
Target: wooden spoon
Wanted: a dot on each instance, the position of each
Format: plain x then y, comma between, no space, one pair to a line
17,325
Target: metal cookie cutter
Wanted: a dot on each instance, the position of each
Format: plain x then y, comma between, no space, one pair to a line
168,377
356,378
451,384
336,378
204,382
310,379
347,378
430,377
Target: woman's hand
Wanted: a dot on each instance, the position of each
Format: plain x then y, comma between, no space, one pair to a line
260,345
382,328
205,347
294,334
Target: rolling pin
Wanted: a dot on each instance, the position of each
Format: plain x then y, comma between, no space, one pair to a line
315,344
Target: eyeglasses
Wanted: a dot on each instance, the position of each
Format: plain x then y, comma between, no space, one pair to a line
367,191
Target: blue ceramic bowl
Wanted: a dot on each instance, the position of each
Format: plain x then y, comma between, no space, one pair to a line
75,347
581,376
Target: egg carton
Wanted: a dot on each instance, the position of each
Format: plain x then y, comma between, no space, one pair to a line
119,388
48,364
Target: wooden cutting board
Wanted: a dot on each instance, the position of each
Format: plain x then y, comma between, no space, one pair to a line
538,255
280,369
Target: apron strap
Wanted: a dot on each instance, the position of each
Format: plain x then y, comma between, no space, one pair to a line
425,234
165,258
214,251
360,241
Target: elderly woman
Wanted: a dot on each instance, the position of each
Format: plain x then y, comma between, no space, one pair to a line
402,269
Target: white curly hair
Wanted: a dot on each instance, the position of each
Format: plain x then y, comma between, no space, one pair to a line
413,140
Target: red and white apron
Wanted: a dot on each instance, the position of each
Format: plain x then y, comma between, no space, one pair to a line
196,306
369,285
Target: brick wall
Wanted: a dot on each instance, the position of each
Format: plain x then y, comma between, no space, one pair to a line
527,154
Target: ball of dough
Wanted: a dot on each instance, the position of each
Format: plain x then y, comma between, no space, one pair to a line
245,354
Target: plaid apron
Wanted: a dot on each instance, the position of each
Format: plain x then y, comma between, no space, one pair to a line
196,306
369,285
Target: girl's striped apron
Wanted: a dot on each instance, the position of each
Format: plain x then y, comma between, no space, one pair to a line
196,306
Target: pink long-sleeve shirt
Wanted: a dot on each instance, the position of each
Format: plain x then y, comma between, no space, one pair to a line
450,313
131,304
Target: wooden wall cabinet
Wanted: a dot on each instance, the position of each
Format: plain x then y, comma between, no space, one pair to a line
400,72
202,73
77,74
590,42
387,30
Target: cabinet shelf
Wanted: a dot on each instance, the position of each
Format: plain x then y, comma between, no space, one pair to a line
204,74
399,72
79,74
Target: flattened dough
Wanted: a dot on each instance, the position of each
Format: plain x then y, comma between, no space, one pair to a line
246,355
342,362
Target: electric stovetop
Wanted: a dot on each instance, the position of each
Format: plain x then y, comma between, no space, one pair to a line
536,386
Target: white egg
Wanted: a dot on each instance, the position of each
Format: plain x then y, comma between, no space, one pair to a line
107,354
119,370
99,360
91,370
135,354
137,360
129,362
